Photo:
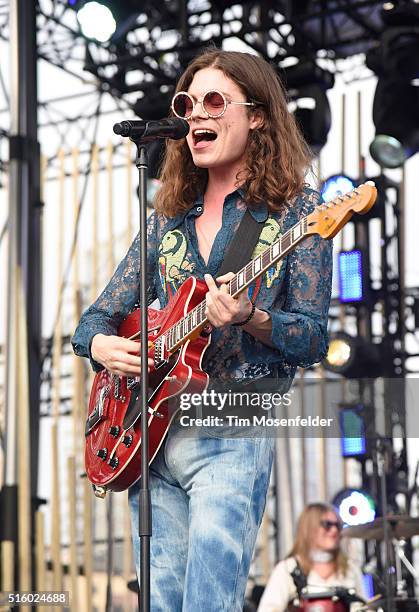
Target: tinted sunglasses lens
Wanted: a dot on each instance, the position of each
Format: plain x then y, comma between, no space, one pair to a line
329,524
182,105
214,103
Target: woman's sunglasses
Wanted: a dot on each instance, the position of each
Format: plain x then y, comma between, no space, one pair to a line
327,525
213,103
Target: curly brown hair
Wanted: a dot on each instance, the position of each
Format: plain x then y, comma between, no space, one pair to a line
277,154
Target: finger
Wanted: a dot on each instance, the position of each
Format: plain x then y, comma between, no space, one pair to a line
214,292
213,319
129,345
226,302
212,305
225,278
123,357
210,283
211,311
123,369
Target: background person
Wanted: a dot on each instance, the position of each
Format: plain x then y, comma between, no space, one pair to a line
318,552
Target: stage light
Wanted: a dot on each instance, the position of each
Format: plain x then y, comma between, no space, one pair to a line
368,581
396,120
335,185
396,101
353,357
355,507
306,85
96,21
312,113
353,431
339,353
350,276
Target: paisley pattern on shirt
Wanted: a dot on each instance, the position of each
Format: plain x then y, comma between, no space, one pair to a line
174,266
269,234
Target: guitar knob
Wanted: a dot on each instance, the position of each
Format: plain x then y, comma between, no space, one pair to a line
113,462
127,440
114,431
102,453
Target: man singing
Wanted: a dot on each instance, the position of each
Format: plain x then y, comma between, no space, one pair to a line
243,151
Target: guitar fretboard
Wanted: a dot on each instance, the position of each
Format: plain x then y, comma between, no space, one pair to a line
195,319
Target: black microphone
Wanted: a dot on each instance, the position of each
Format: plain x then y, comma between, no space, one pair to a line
172,127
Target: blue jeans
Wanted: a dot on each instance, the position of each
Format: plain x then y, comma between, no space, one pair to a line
208,495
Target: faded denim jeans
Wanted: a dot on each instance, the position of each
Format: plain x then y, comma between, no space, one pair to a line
208,495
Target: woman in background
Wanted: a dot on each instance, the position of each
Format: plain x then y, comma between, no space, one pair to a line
316,558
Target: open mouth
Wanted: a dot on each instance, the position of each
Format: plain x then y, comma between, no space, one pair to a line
203,136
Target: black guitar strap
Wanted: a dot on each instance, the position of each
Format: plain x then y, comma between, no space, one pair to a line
241,247
299,578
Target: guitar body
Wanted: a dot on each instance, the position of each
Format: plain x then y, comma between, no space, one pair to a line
113,427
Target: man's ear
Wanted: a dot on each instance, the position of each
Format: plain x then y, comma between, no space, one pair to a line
257,120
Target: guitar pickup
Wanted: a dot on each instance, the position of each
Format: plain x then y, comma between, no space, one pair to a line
98,412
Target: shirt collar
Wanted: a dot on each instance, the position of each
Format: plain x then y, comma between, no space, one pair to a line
259,212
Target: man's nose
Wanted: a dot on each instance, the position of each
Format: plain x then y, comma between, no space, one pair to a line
198,110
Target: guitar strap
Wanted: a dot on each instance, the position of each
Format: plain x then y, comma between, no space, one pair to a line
242,246
299,578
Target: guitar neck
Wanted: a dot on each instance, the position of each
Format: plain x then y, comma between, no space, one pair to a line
196,319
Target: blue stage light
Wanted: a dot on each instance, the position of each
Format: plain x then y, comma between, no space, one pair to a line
368,581
350,276
352,427
338,184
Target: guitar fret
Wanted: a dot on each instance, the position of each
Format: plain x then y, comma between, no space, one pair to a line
248,273
257,264
286,241
266,258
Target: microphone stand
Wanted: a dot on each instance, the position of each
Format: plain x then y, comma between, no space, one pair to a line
140,132
144,514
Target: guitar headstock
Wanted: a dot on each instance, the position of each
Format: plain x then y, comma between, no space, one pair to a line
328,219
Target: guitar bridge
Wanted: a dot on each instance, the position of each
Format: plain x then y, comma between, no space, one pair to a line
159,347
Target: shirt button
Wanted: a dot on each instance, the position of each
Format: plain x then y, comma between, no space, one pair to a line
199,208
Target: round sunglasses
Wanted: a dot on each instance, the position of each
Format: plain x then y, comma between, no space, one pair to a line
213,103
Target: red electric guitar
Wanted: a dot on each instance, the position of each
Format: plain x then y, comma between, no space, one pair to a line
178,337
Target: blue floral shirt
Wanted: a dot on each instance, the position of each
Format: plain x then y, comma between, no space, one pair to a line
295,291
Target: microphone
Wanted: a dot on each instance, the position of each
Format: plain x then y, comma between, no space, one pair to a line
171,127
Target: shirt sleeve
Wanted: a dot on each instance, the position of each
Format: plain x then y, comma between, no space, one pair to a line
119,297
299,328
279,591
